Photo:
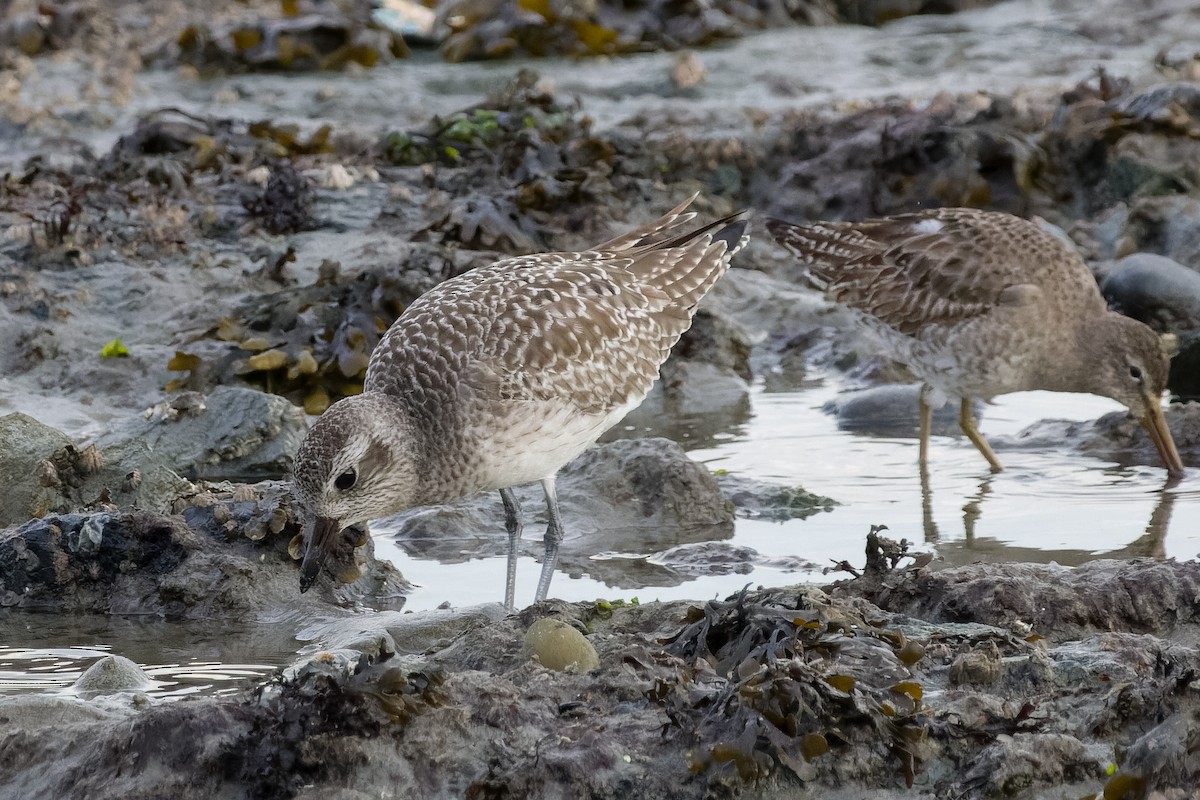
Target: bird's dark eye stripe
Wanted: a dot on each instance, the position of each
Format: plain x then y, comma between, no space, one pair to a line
346,480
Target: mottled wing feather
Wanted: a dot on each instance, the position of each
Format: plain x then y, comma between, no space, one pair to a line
590,328
648,234
936,267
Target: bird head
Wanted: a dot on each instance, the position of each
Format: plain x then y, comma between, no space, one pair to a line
1130,364
356,463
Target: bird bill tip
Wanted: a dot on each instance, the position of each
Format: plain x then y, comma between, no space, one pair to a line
319,536
1155,423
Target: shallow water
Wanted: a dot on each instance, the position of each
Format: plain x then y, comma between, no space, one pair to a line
48,652
1046,506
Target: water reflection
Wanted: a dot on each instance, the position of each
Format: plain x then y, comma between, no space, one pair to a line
971,548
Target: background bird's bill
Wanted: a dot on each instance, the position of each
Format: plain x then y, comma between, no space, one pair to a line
1155,423
318,537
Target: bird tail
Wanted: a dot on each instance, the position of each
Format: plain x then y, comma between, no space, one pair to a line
648,234
822,248
686,267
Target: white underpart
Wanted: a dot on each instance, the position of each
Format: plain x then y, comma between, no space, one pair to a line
535,445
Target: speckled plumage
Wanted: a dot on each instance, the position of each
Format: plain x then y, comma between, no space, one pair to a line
501,375
980,304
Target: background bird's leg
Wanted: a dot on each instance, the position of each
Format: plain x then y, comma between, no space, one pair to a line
926,426
554,535
966,421
512,523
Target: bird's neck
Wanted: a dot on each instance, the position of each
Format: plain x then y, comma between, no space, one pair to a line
1074,362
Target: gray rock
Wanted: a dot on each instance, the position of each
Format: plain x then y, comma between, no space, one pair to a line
110,675
1184,379
227,552
716,339
1167,226
892,410
33,713
692,388
631,495
1155,290
43,472
1116,436
25,443
238,434
755,499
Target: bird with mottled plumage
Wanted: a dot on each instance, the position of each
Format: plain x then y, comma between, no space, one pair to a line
982,303
500,376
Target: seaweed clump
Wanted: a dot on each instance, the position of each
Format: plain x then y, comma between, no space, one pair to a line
310,343
301,723
513,162
487,29
771,682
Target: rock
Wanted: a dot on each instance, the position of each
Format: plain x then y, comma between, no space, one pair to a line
631,495
1056,602
112,674
1147,165
44,472
1012,764
1116,436
239,434
981,666
227,553
1155,290
892,410
1120,437
34,713
1167,226
1184,378
755,499
687,71
556,645
27,488
1162,103
691,388
309,42
718,339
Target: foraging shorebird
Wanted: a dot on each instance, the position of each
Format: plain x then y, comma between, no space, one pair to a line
981,303
500,376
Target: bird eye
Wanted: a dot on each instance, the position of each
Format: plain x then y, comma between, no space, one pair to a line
346,480
1135,373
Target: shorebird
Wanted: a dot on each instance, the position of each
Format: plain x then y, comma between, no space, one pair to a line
500,376
982,303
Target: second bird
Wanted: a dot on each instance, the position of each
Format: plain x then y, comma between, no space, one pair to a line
980,304
501,376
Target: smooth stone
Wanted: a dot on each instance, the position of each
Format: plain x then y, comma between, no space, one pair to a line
110,675
1155,290
556,645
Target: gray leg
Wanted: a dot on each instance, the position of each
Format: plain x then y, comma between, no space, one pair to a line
554,535
512,523
926,427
